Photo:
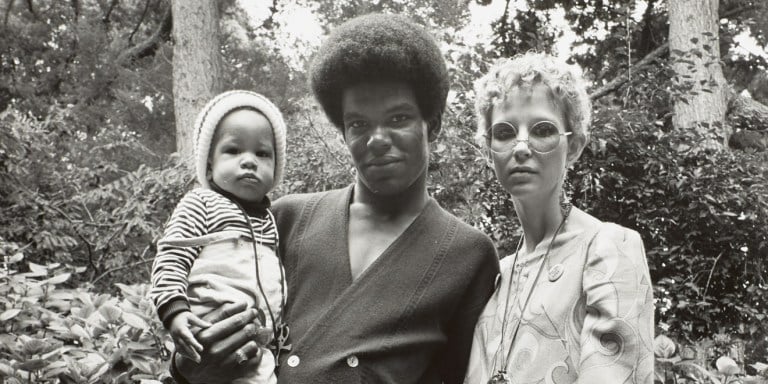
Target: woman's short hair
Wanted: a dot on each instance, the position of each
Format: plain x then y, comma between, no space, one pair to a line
380,47
564,81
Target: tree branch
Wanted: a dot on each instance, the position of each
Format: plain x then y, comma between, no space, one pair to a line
32,10
621,80
8,12
148,46
328,147
656,53
140,262
270,21
108,13
76,8
141,20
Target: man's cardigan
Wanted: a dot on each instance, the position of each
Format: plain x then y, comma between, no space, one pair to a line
408,318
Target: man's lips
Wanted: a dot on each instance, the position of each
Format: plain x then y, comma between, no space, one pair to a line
380,162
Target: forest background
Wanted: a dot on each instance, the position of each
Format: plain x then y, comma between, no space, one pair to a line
90,171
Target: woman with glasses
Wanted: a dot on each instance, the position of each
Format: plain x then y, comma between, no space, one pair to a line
574,302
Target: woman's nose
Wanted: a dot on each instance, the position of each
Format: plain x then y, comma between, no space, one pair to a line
521,151
379,142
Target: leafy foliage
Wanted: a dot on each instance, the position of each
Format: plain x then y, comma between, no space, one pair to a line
52,334
87,179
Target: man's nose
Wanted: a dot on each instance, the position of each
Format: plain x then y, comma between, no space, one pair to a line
379,142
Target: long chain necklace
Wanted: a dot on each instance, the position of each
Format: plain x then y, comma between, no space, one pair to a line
501,376
281,330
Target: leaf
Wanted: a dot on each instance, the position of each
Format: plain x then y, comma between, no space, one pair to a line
32,365
16,258
135,321
111,313
58,279
80,332
694,40
727,366
37,269
664,347
9,314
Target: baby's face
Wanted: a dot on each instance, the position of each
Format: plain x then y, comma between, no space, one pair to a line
243,155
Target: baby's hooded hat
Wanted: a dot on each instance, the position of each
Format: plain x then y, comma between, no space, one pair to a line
211,115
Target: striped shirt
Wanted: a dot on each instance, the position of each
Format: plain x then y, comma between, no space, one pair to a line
200,212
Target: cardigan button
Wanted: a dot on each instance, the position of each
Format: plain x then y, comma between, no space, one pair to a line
293,361
352,361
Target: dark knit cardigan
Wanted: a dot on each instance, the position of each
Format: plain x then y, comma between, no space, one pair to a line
408,318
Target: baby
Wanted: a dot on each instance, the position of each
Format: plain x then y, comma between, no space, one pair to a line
220,243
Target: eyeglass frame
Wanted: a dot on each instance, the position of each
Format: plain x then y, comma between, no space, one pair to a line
527,141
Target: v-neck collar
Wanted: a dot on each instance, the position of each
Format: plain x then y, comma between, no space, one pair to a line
345,254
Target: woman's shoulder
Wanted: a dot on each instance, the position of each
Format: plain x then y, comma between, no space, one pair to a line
603,232
612,234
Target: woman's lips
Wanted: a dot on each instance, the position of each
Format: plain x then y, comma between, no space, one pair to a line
517,170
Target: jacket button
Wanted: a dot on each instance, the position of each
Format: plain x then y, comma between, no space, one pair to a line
352,361
293,361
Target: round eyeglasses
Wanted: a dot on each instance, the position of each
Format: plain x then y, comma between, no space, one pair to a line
543,137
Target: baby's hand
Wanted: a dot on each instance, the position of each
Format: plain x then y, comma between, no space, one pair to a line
185,341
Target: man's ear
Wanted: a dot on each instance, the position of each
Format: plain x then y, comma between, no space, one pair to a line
433,128
576,144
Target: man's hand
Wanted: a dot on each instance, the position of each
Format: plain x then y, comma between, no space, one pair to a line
229,345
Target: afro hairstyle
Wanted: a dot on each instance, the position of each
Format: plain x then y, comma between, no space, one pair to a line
380,47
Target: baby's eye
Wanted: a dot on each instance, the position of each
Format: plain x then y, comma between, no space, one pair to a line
265,154
544,129
231,150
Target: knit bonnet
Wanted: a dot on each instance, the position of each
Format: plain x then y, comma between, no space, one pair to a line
216,109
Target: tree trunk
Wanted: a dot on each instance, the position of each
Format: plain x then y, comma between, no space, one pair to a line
700,90
196,66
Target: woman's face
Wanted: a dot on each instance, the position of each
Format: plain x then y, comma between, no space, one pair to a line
522,171
386,135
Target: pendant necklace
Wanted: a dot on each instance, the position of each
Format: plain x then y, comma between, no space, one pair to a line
501,376
280,331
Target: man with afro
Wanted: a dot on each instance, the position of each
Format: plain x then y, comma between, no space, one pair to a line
385,286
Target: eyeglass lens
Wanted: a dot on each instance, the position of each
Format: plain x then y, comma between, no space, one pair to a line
542,137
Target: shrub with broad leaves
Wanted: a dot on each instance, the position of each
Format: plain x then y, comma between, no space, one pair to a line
51,334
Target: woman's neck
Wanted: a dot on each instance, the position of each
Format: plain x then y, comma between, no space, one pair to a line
540,218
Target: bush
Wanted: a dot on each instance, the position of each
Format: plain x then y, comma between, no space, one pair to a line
50,334
97,200
702,214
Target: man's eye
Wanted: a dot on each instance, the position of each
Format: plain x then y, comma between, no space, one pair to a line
400,118
355,125
544,129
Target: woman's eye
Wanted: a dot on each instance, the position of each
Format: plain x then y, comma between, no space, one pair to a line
503,132
544,129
